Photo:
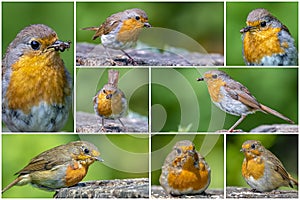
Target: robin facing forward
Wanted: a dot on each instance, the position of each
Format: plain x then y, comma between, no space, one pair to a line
36,86
185,170
266,41
120,31
262,170
110,102
234,98
62,166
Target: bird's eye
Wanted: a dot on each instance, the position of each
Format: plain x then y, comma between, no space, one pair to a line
263,24
104,91
214,76
253,146
178,151
137,18
35,45
85,150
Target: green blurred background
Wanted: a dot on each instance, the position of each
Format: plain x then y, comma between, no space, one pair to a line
210,146
201,21
125,156
236,15
59,16
285,147
177,99
133,82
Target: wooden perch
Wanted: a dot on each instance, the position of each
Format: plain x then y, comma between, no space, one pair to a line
90,123
119,188
95,55
238,192
159,192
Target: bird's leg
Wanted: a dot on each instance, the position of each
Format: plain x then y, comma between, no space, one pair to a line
130,59
237,123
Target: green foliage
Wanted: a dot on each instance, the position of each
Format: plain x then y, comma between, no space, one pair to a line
236,15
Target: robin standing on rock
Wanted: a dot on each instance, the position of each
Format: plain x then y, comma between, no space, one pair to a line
120,31
266,41
36,86
110,102
185,171
262,170
234,98
59,167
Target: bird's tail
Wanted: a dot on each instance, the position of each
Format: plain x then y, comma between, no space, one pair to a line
93,28
274,112
293,181
12,184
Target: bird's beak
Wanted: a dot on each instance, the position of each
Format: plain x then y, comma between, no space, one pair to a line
98,158
200,79
242,150
246,29
60,45
147,25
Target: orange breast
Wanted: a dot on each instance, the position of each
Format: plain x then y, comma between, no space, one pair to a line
214,87
75,174
104,105
130,30
37,78
260,44
253,167
189,177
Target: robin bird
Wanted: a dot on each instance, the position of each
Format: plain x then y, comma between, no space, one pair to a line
110,102
234,98
185,170
266,41
120,31
36,86
262,170
59,167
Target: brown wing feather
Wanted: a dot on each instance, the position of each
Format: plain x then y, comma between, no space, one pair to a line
239,92
46,160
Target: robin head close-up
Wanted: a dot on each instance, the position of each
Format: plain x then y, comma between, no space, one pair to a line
267,41
62,166
234,98
121,30
185,171
262,170
36,86
110,102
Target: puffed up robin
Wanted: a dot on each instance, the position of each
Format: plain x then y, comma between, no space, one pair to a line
234,98
267,41
121,30
59,167
110,102
185,171
36,86
262,170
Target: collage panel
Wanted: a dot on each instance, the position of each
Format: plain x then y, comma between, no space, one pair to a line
262,33
184,103
106,163
163,39
37,66
112,100
256,165
187,165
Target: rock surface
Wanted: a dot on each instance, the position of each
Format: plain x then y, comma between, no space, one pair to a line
95,55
